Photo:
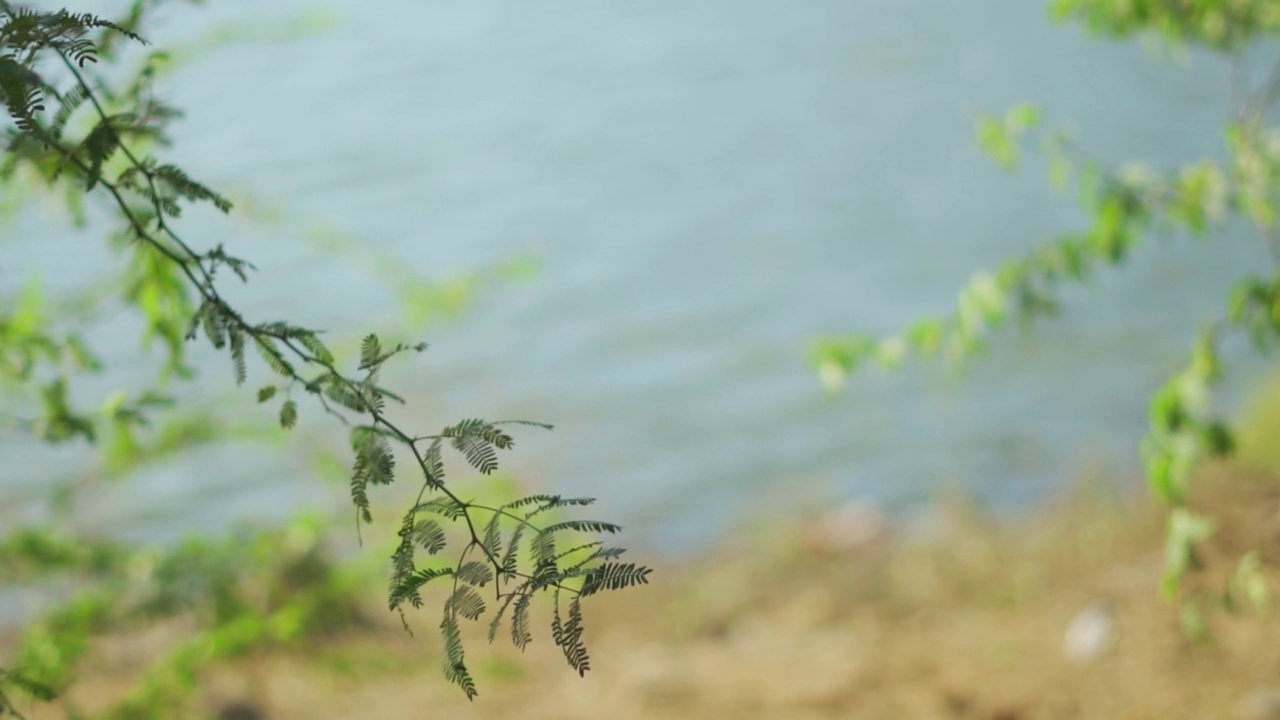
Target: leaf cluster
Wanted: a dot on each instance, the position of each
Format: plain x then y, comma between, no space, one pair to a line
1221,25
253,589
178,290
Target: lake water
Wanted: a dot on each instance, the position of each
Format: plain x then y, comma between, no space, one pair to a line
709,185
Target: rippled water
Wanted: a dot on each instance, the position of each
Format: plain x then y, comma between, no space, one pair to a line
709,185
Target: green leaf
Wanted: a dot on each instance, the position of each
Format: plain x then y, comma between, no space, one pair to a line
614,576
509,558
288,414
994,138
410,586
272,357
479,453
370,352
520,635
1022,117
568,635
317,348
466,602
236,338
455,669
265,393
594,526
497,617
444,506
475,572
430,536
337,390
492,539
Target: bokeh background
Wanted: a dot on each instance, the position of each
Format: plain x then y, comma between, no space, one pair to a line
669,202
705,188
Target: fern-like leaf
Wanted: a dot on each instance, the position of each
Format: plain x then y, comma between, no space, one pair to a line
317,348
513,547
235,339
579,548
446,506
430,536
479,453
370,352
433,465
272,356
187,188
410,586
492,537
544,548
402,567
549,502
531,423
475,572
21,88
215,325
496,622
481,429
67,106
98,146
520,635
466,602
614,576
568,635
602,554
337,390
455,669
374,459
360,495
594,526
536,499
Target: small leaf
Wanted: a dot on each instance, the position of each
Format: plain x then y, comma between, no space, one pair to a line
466,602
1023,116
492,538
370,351
272,357
475,572
317,348
430,536
455,669
614,576
288,414
237,353
520,622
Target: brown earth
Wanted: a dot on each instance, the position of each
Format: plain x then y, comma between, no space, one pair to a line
966,622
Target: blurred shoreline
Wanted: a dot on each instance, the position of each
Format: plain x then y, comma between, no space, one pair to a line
789,618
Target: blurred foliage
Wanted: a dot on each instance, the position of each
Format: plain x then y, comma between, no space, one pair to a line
1259,428
249,590
1127,204
1224,25
81,126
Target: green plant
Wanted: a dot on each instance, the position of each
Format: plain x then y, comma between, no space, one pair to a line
253,588
1126,205
73,133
